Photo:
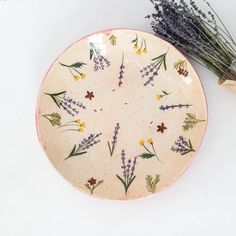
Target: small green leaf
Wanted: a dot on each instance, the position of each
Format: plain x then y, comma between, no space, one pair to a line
147,155
91,54
87,186
99,182
63,64
122,181
78,64
72,152
165,92
154,59
112,40
164,61
130,182
183,153
55,94
135,40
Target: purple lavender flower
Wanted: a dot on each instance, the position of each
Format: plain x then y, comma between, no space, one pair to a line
200,35
182,146
99,60
128,171
122,67
84,145
167,107
151,71
68,104
114,139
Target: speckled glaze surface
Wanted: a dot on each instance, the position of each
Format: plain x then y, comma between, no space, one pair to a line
121,114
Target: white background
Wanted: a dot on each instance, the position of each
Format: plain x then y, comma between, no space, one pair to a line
36,200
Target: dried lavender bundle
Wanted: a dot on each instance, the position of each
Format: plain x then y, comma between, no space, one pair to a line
202,36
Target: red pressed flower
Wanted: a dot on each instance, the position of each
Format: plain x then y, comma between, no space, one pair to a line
161,128
92,181
89,95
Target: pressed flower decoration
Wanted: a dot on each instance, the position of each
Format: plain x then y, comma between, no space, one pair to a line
76,125
161,128
54,118
89,95
84,145
151,183
148,154
128,171
100,62
113,143
121,74
190,121
181,67
171,107
113,39
151,71
163,94
92,184
74,70
66,103
140,49
182,146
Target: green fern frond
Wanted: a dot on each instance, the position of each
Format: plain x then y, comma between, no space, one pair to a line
180,64
54,118
151,183
112,40
190,121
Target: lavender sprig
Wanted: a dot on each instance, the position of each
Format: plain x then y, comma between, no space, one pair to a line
167,107
84,145
151,70
68,104
114,140
128,171
122,67
202,36
182,146
99,60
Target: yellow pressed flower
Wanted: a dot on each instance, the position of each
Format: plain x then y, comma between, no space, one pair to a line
83,124
158,96
77,121
135,46
141,142
150,141
76,77
139,52
144,50
81,129
83,76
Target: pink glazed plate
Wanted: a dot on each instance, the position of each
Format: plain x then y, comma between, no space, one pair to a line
121,114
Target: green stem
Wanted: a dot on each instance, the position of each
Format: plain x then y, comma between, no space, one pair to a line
75,154
68,130
141,45
76,70
229,35
109,146
71,72
68,125
156,153
147,149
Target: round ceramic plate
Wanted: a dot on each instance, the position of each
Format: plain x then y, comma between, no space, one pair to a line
121,114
